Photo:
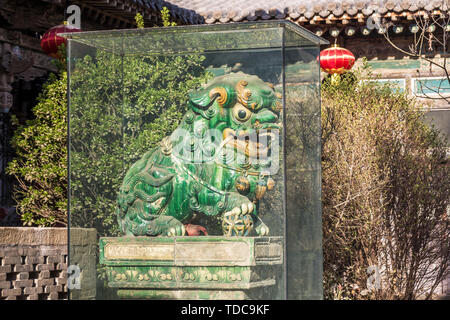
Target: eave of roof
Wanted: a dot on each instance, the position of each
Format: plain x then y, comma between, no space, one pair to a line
300,11
150,9
219,11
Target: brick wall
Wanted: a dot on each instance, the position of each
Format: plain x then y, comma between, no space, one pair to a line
33,272
34,261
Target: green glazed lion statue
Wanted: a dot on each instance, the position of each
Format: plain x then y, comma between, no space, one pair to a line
218,162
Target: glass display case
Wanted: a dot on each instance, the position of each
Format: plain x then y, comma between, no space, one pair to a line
194,152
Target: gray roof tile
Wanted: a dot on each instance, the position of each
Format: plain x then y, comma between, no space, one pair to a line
215,11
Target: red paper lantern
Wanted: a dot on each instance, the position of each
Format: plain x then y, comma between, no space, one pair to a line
336,60
51,41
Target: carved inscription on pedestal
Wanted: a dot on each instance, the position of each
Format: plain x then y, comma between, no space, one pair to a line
138,251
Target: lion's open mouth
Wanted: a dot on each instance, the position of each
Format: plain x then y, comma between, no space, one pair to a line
255,144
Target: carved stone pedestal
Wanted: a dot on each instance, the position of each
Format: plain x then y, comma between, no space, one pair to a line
193,267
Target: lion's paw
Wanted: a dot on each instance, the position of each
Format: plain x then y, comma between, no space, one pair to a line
237,221
262,230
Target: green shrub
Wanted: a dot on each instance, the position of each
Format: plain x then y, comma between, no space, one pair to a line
120,108
41,157
117,116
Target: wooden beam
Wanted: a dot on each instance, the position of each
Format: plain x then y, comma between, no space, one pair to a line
334,32
350,31
365,31
94,13
319,32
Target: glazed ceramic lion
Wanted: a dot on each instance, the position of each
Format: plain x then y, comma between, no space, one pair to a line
215,163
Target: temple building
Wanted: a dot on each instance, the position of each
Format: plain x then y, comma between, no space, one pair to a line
368,28
358,25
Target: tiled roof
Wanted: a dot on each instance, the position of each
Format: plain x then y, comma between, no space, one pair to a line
222,11
126,10
184,14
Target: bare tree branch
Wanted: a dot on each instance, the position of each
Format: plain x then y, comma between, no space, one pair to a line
432,32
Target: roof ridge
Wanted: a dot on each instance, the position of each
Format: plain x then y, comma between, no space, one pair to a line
214,11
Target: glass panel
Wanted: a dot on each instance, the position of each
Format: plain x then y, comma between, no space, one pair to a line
181,131
95,153
199,38
303,173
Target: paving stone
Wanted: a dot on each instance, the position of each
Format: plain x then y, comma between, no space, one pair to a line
5,284
61,266
22,283
11,292
44,282
31,252
42,267
45,274
10,252
34,260
12,260
53,296
50,289
55,259
23,276
32,290
50,252
5,269
23,268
